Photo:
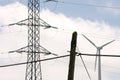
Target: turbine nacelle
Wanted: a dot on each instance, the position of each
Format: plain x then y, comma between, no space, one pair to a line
99,48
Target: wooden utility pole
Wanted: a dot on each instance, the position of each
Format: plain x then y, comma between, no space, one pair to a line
72,56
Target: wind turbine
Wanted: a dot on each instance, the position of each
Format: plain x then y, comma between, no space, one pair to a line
99,58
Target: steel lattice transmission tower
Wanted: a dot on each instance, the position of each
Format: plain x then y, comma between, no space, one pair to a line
33,49
33,70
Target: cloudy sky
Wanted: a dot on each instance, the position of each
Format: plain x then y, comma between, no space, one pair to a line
98,20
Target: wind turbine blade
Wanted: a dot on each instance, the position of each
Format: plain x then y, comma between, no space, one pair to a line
95,61
89,41
107,43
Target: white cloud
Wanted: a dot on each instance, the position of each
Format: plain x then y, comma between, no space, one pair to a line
12,12
58,41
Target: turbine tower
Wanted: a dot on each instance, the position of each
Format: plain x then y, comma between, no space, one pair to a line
98,53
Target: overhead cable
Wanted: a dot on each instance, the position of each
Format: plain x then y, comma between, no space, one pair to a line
9,65
84,64
86,4
102,55
84,54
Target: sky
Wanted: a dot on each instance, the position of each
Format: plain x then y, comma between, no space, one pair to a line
92,18
81,8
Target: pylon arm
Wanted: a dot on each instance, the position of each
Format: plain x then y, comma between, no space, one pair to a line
20,50
25,22
25,50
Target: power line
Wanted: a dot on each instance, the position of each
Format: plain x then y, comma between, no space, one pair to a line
102,55
9,65
86,4
85,67
63,56
80,56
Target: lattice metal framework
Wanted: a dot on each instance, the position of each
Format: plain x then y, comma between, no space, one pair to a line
41,48
33,70
34,22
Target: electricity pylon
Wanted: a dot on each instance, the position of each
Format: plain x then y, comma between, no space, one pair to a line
99,57
33,49
33,70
